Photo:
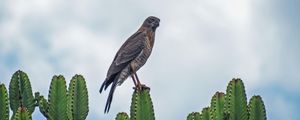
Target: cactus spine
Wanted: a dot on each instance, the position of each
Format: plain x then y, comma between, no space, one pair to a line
257,109
4,109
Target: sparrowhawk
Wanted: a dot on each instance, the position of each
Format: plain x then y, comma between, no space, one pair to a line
132,55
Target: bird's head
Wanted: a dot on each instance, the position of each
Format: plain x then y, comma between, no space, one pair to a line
151,22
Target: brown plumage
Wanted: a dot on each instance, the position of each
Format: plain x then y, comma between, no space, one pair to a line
132,55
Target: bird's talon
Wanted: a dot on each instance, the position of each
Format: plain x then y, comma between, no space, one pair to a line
141,87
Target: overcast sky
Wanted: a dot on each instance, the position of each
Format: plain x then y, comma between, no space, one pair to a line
200,46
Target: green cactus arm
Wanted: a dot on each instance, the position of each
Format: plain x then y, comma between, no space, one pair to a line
205,114
217,106
43,104
78,99
4,109
194,116
57,99
21,114
20,92
257,109
122,116
236,101
141,105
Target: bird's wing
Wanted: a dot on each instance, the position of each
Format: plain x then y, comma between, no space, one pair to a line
128,51
131,48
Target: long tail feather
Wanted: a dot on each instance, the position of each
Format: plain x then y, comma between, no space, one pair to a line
110,96
107,82
112,80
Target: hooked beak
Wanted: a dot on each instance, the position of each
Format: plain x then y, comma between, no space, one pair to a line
155,24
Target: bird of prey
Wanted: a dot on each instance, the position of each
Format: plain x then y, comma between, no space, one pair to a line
132,55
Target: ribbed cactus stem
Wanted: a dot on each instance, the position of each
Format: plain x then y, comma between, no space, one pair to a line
20,92
236,101
43,105
4,109
257,109
205,114
217,106
57,99
122,116
78,99
194,116
22,114
141,105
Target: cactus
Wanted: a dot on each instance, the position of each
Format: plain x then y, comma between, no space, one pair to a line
217,106
257,109
78,99
63,104
43,104
57,100
205,114
233,105
72,104
122,116
4,109
141,105
22,114
20,93
194,116
236,101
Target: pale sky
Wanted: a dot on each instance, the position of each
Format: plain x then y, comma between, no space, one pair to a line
200,46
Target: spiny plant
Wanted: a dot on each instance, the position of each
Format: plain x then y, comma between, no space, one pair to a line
257,108
236,101
65,104
141,106
4,109
194,116
122,116
62,104
20,93
233,105
22,114
217,106
56,106
205,114
72,103
78,99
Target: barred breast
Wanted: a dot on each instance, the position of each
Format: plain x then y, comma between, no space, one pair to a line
138,62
